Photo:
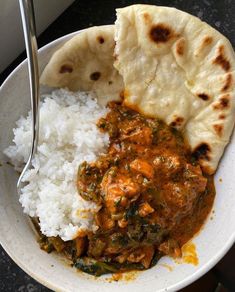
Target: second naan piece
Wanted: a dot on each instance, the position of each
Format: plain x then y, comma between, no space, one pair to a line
85,62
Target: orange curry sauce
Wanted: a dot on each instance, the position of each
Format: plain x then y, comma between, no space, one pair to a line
153,195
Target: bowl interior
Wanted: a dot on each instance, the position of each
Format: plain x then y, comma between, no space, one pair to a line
18,239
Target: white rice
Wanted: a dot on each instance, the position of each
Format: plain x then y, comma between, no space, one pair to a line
68,136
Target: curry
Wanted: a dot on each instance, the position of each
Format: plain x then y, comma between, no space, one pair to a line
153,195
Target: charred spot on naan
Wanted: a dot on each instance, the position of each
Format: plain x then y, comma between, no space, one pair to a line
204,46
228,82
95,76
180,46
177,122
202,152
207,41
222,117
221,59
160,33
203,96
66,69
218,129
147,18
100,39
222,103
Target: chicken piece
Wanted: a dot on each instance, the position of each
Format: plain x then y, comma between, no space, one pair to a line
141,136
130,188
120,192
145,209
142,167
113,196
120,182
118,187
180,197
175,194
167,162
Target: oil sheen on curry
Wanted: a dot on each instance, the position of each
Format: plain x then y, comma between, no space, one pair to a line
153,195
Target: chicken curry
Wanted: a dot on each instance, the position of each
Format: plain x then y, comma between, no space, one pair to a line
153,195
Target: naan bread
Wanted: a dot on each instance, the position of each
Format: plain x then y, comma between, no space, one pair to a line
179,69
86,63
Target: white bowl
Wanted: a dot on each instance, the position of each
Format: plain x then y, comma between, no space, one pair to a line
18,239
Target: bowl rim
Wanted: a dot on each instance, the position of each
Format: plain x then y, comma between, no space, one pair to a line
45,281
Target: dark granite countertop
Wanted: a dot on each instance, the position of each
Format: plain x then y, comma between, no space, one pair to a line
82,14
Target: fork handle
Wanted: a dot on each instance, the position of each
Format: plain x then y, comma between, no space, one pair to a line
29,29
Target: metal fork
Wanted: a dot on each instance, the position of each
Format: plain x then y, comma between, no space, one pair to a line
29,28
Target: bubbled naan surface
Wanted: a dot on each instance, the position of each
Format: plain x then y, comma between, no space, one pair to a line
179,69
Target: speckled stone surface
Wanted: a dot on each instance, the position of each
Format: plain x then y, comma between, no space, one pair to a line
82,14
